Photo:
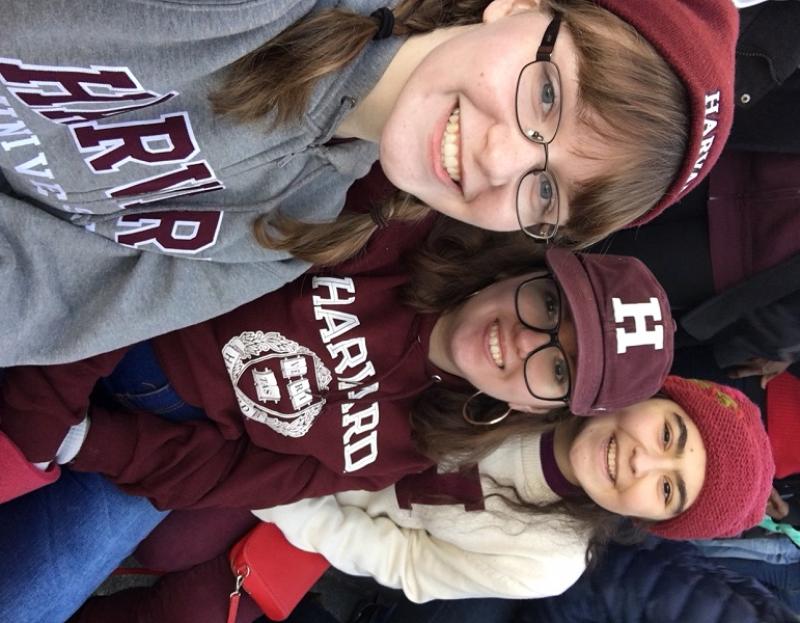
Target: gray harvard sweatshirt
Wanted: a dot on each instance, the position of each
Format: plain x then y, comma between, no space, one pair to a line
126,205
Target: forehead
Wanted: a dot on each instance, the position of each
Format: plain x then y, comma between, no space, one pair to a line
694,456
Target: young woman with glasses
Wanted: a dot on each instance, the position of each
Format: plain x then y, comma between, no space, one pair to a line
308,390
229,132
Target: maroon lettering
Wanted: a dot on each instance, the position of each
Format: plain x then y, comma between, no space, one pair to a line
41,85
180,231
188,179
66,116
166,141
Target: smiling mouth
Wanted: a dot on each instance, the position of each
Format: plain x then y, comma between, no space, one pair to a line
494,345
611,458
451,146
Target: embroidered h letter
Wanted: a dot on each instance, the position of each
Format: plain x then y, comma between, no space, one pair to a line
640,312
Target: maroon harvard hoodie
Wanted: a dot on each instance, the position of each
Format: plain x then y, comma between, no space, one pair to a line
307,390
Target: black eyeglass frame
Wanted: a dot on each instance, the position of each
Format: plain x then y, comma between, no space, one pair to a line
552,343
543,54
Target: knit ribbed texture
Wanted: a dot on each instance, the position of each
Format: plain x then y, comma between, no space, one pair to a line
698,40
739,465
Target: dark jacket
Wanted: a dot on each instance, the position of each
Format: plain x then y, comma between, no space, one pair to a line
659,582
753,220
767,80
754,204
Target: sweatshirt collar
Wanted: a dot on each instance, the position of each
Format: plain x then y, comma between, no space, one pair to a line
552,474
336,95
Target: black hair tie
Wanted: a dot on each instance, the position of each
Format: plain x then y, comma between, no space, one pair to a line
385,19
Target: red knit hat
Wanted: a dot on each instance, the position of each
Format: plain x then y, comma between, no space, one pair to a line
698,40
739,466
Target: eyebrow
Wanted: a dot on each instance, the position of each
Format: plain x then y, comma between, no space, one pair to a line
681,446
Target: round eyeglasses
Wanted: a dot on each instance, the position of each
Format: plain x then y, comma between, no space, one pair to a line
538,110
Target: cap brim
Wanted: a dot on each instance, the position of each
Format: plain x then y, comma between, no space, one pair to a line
574,282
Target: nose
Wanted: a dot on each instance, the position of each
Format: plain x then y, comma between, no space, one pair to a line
644,462
506,155
527,340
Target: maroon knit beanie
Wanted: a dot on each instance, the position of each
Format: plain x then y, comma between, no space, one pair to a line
697,38
739,466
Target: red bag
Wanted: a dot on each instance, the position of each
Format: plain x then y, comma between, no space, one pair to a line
275,573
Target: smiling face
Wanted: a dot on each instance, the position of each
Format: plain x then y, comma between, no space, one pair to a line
484,342
452,138
646,461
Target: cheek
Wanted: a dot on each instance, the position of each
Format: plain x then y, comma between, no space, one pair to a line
639,501
495,209
395,147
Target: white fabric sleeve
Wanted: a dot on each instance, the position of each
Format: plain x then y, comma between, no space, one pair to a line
423,566
743,4
73,441
71,445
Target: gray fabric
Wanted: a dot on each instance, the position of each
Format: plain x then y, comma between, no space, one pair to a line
79,272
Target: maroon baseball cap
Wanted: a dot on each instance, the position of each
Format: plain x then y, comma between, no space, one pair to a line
623,327
697,38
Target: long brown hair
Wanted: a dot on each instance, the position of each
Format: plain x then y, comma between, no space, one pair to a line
456,261
629,96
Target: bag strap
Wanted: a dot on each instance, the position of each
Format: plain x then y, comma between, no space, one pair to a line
235,596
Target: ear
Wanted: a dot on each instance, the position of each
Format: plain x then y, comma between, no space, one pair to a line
540,410
501,8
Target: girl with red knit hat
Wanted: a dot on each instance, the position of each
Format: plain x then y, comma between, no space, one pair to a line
694,462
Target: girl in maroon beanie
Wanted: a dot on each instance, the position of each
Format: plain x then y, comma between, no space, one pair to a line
694,462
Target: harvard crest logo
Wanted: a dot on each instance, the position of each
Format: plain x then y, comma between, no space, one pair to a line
277,381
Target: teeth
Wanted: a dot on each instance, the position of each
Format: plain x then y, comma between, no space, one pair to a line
494,345
611,458
450,146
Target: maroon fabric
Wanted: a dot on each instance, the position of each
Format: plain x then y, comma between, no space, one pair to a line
329,337
434,488
552,474
187,538
623,326
739,465
753,214
698,40
198,595
38,404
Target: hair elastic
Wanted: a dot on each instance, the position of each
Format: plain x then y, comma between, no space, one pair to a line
385,19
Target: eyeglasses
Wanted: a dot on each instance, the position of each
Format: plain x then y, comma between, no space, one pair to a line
538,109
538,304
